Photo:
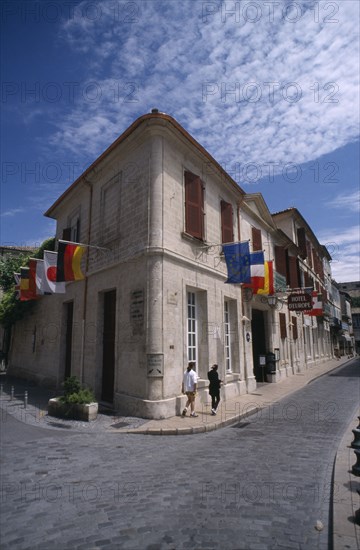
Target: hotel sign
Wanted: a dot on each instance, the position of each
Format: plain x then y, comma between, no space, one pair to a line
300,302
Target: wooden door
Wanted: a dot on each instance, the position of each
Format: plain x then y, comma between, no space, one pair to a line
108,368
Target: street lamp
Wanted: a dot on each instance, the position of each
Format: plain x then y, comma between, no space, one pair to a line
272,301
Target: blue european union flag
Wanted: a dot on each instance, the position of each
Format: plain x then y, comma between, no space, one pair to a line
237,256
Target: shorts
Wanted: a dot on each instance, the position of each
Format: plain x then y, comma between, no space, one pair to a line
190,393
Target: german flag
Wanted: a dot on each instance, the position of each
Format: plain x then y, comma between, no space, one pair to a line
69,262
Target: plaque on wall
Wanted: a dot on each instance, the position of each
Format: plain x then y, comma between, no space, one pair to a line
155,364
137,311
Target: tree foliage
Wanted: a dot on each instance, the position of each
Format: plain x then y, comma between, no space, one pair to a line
11,309
9,265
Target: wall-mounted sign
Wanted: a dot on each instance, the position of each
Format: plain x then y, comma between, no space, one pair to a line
137,306
299,302
137,311
155,364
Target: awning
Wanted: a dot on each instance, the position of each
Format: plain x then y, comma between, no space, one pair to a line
345,337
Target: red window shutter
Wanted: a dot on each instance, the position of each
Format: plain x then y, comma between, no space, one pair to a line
227,233
309,256
280,260
293,272
194,205
66,234
282,318
302,242
256,239
294,328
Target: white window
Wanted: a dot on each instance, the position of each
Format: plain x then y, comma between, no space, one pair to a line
227,333
191,327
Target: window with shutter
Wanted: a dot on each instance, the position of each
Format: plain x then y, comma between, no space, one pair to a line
282,319
308,280
294,328
309,255
293,272
227,233
194,205
302,242
66,234
256,239
280,260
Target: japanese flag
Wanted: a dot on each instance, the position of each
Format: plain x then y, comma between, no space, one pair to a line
50,262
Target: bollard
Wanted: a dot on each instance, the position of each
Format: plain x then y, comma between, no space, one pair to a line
356,442
358,428
357,513
12,393
356,468
25,399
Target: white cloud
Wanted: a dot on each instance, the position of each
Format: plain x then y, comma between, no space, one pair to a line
344,248
202,66
12,212
348,201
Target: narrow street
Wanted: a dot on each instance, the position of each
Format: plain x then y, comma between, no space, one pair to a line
261,484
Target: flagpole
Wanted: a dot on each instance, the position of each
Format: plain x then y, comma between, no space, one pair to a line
83,244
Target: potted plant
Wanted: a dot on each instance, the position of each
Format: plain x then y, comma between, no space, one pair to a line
77,403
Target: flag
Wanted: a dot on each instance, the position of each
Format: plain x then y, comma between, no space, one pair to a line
69,262
42,285
317,308
50,262
17,285
27,290
32,278
237,256
268,287
263,284
257,270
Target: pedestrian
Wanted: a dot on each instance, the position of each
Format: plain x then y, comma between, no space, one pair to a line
189,386
214,388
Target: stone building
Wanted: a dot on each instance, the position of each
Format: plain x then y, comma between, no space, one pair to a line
158,208
352,289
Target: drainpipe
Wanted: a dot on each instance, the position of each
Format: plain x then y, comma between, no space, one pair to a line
82,358
243,309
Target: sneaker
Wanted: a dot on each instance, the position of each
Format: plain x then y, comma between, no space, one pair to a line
194,415
184,412
213,412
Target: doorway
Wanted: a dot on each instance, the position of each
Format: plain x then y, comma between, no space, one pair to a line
258,344
108,363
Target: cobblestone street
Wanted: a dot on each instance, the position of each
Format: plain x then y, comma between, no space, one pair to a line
264,483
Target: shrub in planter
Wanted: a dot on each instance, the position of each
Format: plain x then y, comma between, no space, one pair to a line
74,393
77,403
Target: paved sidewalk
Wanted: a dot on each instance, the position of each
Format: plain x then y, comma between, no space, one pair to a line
229,412
236,409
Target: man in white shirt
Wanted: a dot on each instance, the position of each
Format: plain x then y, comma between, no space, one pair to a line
189,386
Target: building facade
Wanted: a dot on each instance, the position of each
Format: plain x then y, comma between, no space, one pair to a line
156,209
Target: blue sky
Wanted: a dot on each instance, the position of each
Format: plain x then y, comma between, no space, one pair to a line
271,89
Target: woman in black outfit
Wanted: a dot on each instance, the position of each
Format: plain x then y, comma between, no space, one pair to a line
214,388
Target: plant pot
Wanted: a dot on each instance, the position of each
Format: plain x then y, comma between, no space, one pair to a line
72,411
